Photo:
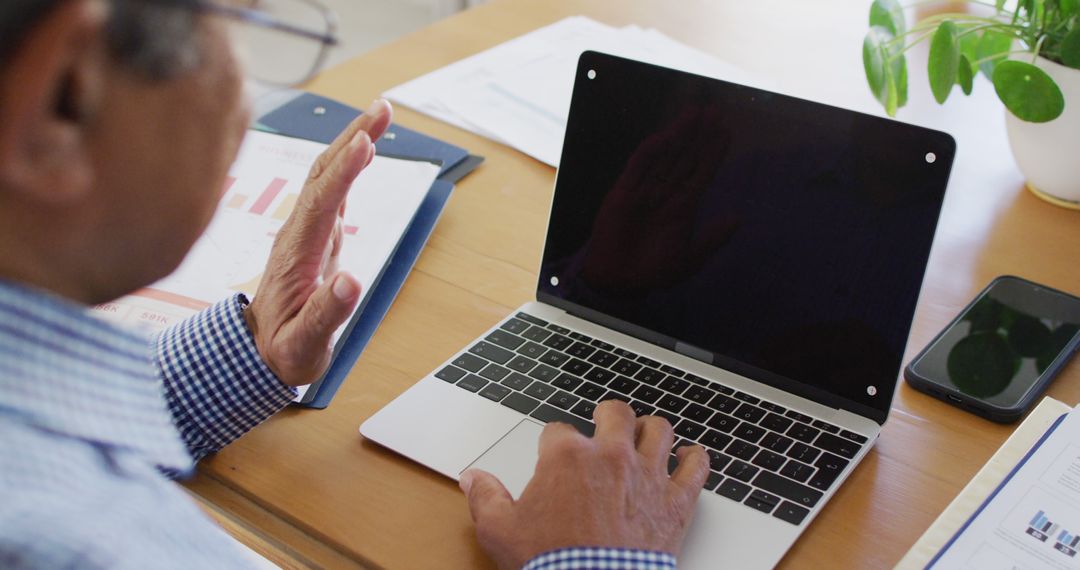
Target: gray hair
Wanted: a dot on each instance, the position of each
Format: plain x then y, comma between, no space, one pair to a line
155,38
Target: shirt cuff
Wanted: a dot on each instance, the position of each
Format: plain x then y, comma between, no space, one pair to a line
216,383
614,558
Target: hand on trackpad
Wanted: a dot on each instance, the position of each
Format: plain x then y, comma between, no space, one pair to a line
513,458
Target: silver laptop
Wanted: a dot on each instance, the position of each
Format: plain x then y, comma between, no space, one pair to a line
742,263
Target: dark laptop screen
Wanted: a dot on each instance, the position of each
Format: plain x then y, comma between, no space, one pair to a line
782,239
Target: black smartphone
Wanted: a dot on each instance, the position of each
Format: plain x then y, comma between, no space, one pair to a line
1002,351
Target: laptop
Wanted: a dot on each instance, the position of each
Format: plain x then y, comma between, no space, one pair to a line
743,263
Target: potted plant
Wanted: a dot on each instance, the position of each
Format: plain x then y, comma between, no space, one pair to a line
1031,54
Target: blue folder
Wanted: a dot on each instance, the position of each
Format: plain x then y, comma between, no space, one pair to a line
320,119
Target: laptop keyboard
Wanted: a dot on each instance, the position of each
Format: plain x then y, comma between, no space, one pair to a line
762,455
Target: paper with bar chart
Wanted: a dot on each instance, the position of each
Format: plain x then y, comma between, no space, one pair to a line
260,192
1033,521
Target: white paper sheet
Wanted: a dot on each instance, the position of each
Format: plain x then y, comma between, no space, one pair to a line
518,93
263,185
1034,520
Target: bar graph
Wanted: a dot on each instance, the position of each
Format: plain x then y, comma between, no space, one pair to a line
1041,527
1066,543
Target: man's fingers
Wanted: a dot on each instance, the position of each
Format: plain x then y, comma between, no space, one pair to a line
654,439
614,420
692,471
374,122
322,314
487,496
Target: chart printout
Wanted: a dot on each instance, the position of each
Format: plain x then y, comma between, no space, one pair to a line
261,190
1034,520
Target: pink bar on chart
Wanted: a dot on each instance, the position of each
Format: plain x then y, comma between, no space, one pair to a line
351,230
268,195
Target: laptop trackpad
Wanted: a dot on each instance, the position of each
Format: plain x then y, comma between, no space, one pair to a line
513,458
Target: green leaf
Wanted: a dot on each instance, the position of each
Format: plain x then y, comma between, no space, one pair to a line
944,60
1070,49
1069,7
999,5
899,71
966,75
992,49
889,15
1028,92
881,73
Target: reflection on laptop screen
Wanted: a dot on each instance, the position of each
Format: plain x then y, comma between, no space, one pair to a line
786,239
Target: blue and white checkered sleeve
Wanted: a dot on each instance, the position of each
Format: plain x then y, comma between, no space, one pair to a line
216,383
579,558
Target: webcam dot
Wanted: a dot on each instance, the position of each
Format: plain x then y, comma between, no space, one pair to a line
930,158
591,74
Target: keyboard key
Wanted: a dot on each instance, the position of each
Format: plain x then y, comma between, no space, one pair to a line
713,480
795,492
521,364
494,372
601,344
539,390
576,367
625,353
699,394
857,438
777,423
580,350
600,375
531,319
680,442
715,440
775,442
741,470
558,342
674,385
563,400
749,432
470,362
558,329
650,376
790,512
800,417
450,374
626,367
505,339
749,413
797,471
603,358
742,449
698,413
491,352
672,463
590,391
723,423
536,334
673,404
532,350
472,383
516,326
829,468
494,392
648,361
647,394
612,395
696,379
772,407
762,500
717,461
670,417
769,460
733,489
747,398
803,453
841,446
517,381
584,409
689,430
566,381
722,389
579,336
823,426
641,408
544,373
623,385
803,432
546,413
554,358
520,402
722,403
671,370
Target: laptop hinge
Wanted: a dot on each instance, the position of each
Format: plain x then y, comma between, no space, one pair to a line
693,352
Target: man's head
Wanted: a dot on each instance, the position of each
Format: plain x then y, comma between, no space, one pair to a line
118,122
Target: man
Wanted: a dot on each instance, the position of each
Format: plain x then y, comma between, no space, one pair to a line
118,122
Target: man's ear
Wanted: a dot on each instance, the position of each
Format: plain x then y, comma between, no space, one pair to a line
50,88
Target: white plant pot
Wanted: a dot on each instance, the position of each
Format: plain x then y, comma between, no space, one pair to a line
1049,153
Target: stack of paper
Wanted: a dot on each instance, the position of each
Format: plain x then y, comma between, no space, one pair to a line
518,93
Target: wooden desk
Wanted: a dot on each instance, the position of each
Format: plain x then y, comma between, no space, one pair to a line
309,484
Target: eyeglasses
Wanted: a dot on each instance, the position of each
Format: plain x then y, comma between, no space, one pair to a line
282,42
